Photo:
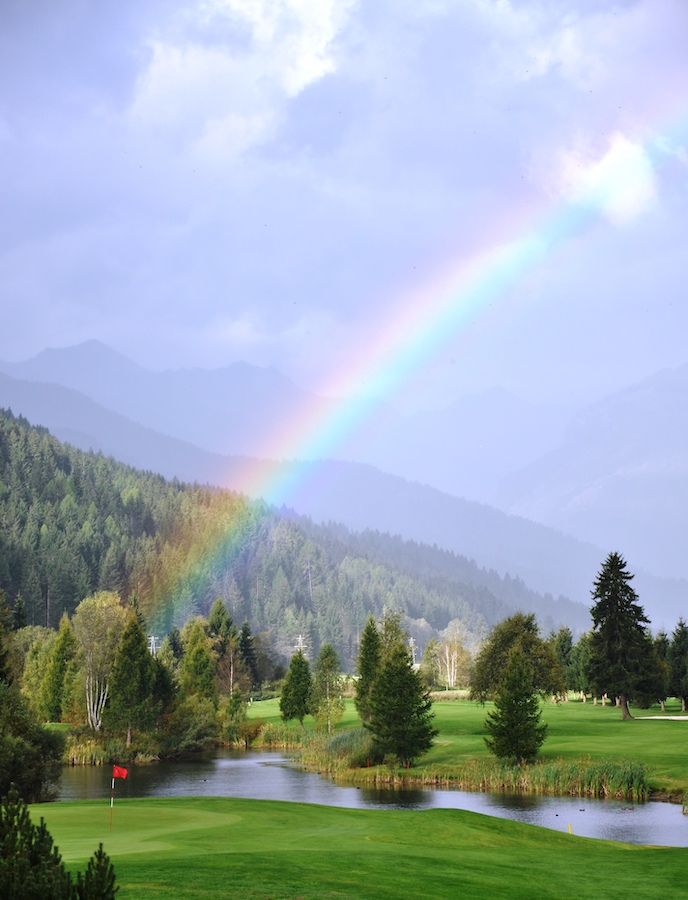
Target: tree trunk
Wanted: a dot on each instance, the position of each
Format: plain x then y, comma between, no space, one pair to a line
625,712
662,704
683,704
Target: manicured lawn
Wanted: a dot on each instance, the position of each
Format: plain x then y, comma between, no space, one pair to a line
575,729
212,848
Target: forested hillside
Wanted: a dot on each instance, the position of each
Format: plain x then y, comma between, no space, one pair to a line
72,523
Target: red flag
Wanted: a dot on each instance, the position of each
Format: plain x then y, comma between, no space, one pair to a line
118,772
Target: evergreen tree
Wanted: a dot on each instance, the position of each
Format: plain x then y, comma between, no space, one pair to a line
247,651
677,659
31,868
662,645
19,613
514,725
197,671
369,655
562,645
220,623
59,669
622,659
296,693
400,709
131,682
327,702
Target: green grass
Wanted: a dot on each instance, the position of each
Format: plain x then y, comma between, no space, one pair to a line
217,848
576,730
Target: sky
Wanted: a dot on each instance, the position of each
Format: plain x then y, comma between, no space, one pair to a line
326,187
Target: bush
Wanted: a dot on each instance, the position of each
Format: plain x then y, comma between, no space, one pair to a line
31,868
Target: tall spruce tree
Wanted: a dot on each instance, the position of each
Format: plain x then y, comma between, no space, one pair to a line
623,663
369,655
516,732
131,682
296,693
400,709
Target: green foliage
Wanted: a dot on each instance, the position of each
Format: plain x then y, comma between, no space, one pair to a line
132,682
190,727
400,709
677,659
367,667
31,868
197,669
514,726
623,663
327,701
75,523
60,665
519,634
296,693
98,881
30,755
98,624
247,651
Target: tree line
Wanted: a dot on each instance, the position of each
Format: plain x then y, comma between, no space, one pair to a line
73,524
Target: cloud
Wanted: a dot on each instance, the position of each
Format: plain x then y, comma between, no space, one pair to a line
221,79
621,183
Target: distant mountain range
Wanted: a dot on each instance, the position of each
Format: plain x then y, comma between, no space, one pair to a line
157,420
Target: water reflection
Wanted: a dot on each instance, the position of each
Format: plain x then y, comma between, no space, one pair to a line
268,776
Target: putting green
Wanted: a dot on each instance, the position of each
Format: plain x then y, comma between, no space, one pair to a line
213,848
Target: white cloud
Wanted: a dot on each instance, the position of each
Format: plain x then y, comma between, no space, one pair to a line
222,82
620,183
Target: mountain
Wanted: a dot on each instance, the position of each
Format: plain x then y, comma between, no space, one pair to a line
469,447
74,523
357,495
465,449
619,476
235,409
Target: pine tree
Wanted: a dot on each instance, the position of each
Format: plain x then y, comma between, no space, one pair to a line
31,866
131,682
622,659
514,725
368,664
327,701
247,652
400,709
677,659
296,693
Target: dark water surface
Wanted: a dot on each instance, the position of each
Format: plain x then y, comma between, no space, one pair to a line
269,776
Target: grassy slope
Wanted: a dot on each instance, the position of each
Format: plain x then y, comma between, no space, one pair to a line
575,729
212,848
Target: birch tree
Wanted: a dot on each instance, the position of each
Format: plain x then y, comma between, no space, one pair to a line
98,624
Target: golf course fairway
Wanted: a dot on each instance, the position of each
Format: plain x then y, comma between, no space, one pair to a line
217,848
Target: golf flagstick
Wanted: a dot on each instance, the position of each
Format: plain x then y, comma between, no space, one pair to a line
117,772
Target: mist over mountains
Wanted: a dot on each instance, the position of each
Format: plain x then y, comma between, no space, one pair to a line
612,476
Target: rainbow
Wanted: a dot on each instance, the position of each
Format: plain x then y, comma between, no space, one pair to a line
428,320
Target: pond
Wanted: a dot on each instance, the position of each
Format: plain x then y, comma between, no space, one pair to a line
269,776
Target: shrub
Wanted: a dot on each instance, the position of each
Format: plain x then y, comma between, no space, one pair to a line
31,868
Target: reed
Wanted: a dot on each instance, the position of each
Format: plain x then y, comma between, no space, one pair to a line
610,779
84,753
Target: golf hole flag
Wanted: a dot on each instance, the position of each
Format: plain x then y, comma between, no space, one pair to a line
117,772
